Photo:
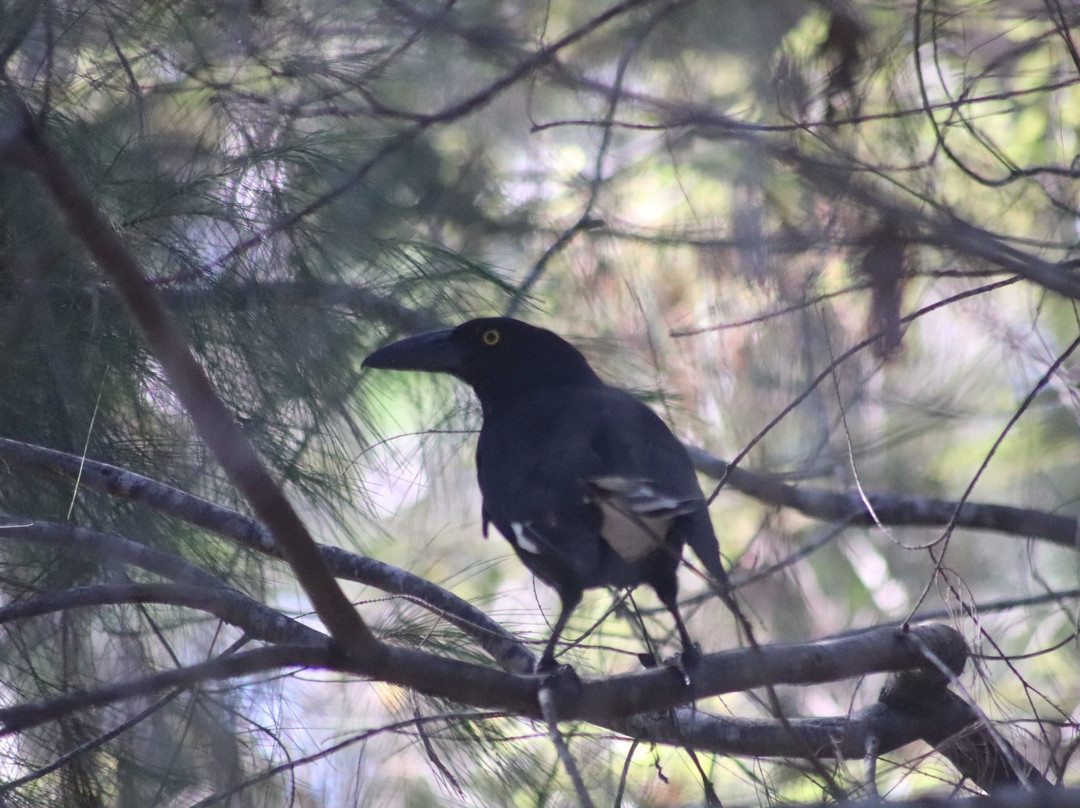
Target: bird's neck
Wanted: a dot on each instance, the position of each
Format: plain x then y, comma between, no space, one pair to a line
496,399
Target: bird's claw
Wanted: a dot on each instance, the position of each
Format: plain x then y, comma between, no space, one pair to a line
682,663
689,657
557,677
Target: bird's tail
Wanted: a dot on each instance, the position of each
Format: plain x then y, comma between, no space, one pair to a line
702,540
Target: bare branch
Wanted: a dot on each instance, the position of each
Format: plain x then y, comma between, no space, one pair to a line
747,668
503,646
606,702
233,607
102,546
244,663
892,509
212,419
913,705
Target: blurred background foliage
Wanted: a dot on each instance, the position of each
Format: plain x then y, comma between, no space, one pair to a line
714,200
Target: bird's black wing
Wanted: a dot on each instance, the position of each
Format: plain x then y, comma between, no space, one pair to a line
586,482
664,484
530,459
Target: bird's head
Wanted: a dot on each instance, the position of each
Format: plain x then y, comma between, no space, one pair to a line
501,358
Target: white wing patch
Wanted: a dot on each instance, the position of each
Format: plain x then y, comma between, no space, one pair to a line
636,517
522,541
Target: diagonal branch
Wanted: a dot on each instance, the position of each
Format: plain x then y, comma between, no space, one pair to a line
891,509
244,663
104,546
933,715
599,701
257,620
504,647
635,703
211,418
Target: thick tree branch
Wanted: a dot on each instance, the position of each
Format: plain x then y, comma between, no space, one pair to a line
105,547
891,509
211,418
256,619
949,724
503,646
743,669
605,701
244,663
913,706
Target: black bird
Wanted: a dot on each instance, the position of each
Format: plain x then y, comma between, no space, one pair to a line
586,482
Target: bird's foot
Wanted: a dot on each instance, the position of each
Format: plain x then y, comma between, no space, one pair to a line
556,676
682,663
689,657
685,661
547,666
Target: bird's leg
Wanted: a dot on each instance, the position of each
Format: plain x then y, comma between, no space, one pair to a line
691,652
569,598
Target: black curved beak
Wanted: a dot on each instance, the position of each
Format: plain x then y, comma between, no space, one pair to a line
432,352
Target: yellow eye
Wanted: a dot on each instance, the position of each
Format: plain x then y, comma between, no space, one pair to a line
491,337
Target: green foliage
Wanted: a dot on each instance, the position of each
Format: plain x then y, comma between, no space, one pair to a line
302,180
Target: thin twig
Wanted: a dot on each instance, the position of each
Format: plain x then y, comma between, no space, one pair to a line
546,697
